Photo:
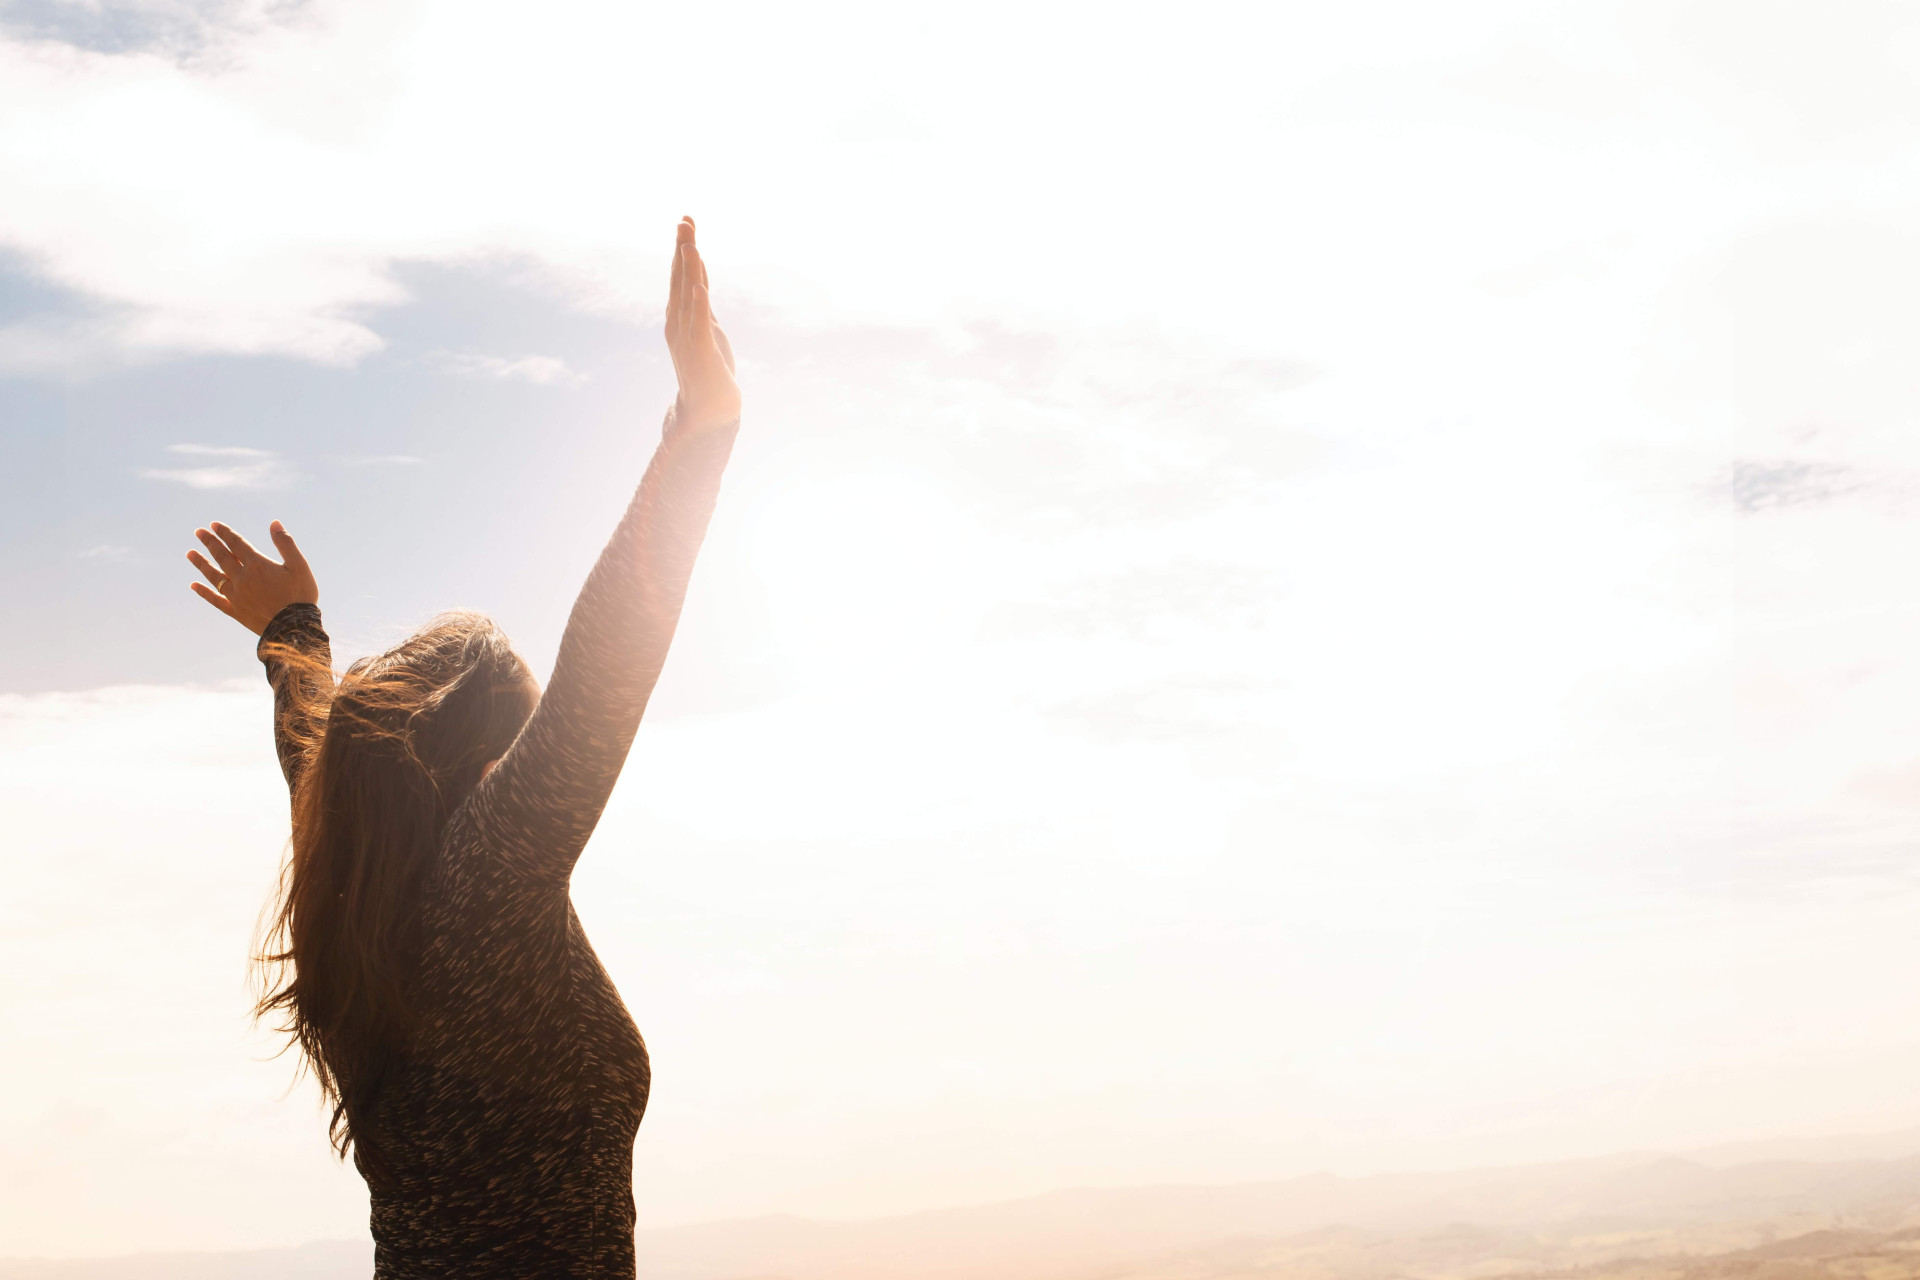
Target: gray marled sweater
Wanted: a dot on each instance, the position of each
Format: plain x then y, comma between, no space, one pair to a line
511,1121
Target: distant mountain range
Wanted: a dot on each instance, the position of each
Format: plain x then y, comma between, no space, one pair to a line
1709,1216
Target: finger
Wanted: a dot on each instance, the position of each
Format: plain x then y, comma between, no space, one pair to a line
696,272
702,300
673,287
222,555
214,598
671,326
206,569
699,320
683,241
697,267
690,292
289,550
242,549
726,348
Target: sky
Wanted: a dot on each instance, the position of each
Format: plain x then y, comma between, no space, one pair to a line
1303,587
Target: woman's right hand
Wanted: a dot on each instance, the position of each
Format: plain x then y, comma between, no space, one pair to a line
702,357
247,586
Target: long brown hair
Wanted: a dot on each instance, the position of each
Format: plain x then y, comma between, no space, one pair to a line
384,758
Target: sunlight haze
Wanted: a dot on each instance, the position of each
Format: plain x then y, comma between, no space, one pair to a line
1303,587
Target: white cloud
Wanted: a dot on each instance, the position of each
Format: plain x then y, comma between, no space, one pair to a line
165,947
110,552
190,30
255,206
383,460
539,370
250,468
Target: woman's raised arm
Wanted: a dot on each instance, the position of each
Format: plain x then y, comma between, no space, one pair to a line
537,807
279,601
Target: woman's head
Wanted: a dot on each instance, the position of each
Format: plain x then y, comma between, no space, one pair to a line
387,754
434,712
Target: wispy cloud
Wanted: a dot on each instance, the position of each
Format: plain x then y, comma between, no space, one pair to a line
382,460
182,30
1767,486
107,551
228,467
540,370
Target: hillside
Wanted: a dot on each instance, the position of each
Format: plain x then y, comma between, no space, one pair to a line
1634,1217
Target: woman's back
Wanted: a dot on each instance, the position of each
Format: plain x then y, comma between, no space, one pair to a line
510,1124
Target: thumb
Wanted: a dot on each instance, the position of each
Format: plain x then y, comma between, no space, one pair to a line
288,548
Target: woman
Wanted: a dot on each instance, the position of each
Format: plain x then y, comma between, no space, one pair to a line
426,957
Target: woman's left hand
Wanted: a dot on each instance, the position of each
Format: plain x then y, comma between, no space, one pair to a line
702,357
247,586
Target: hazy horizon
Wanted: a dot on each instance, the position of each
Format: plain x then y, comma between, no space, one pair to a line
1846,1199
1302,588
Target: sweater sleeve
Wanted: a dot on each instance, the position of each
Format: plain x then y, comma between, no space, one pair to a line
296,652
538,806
